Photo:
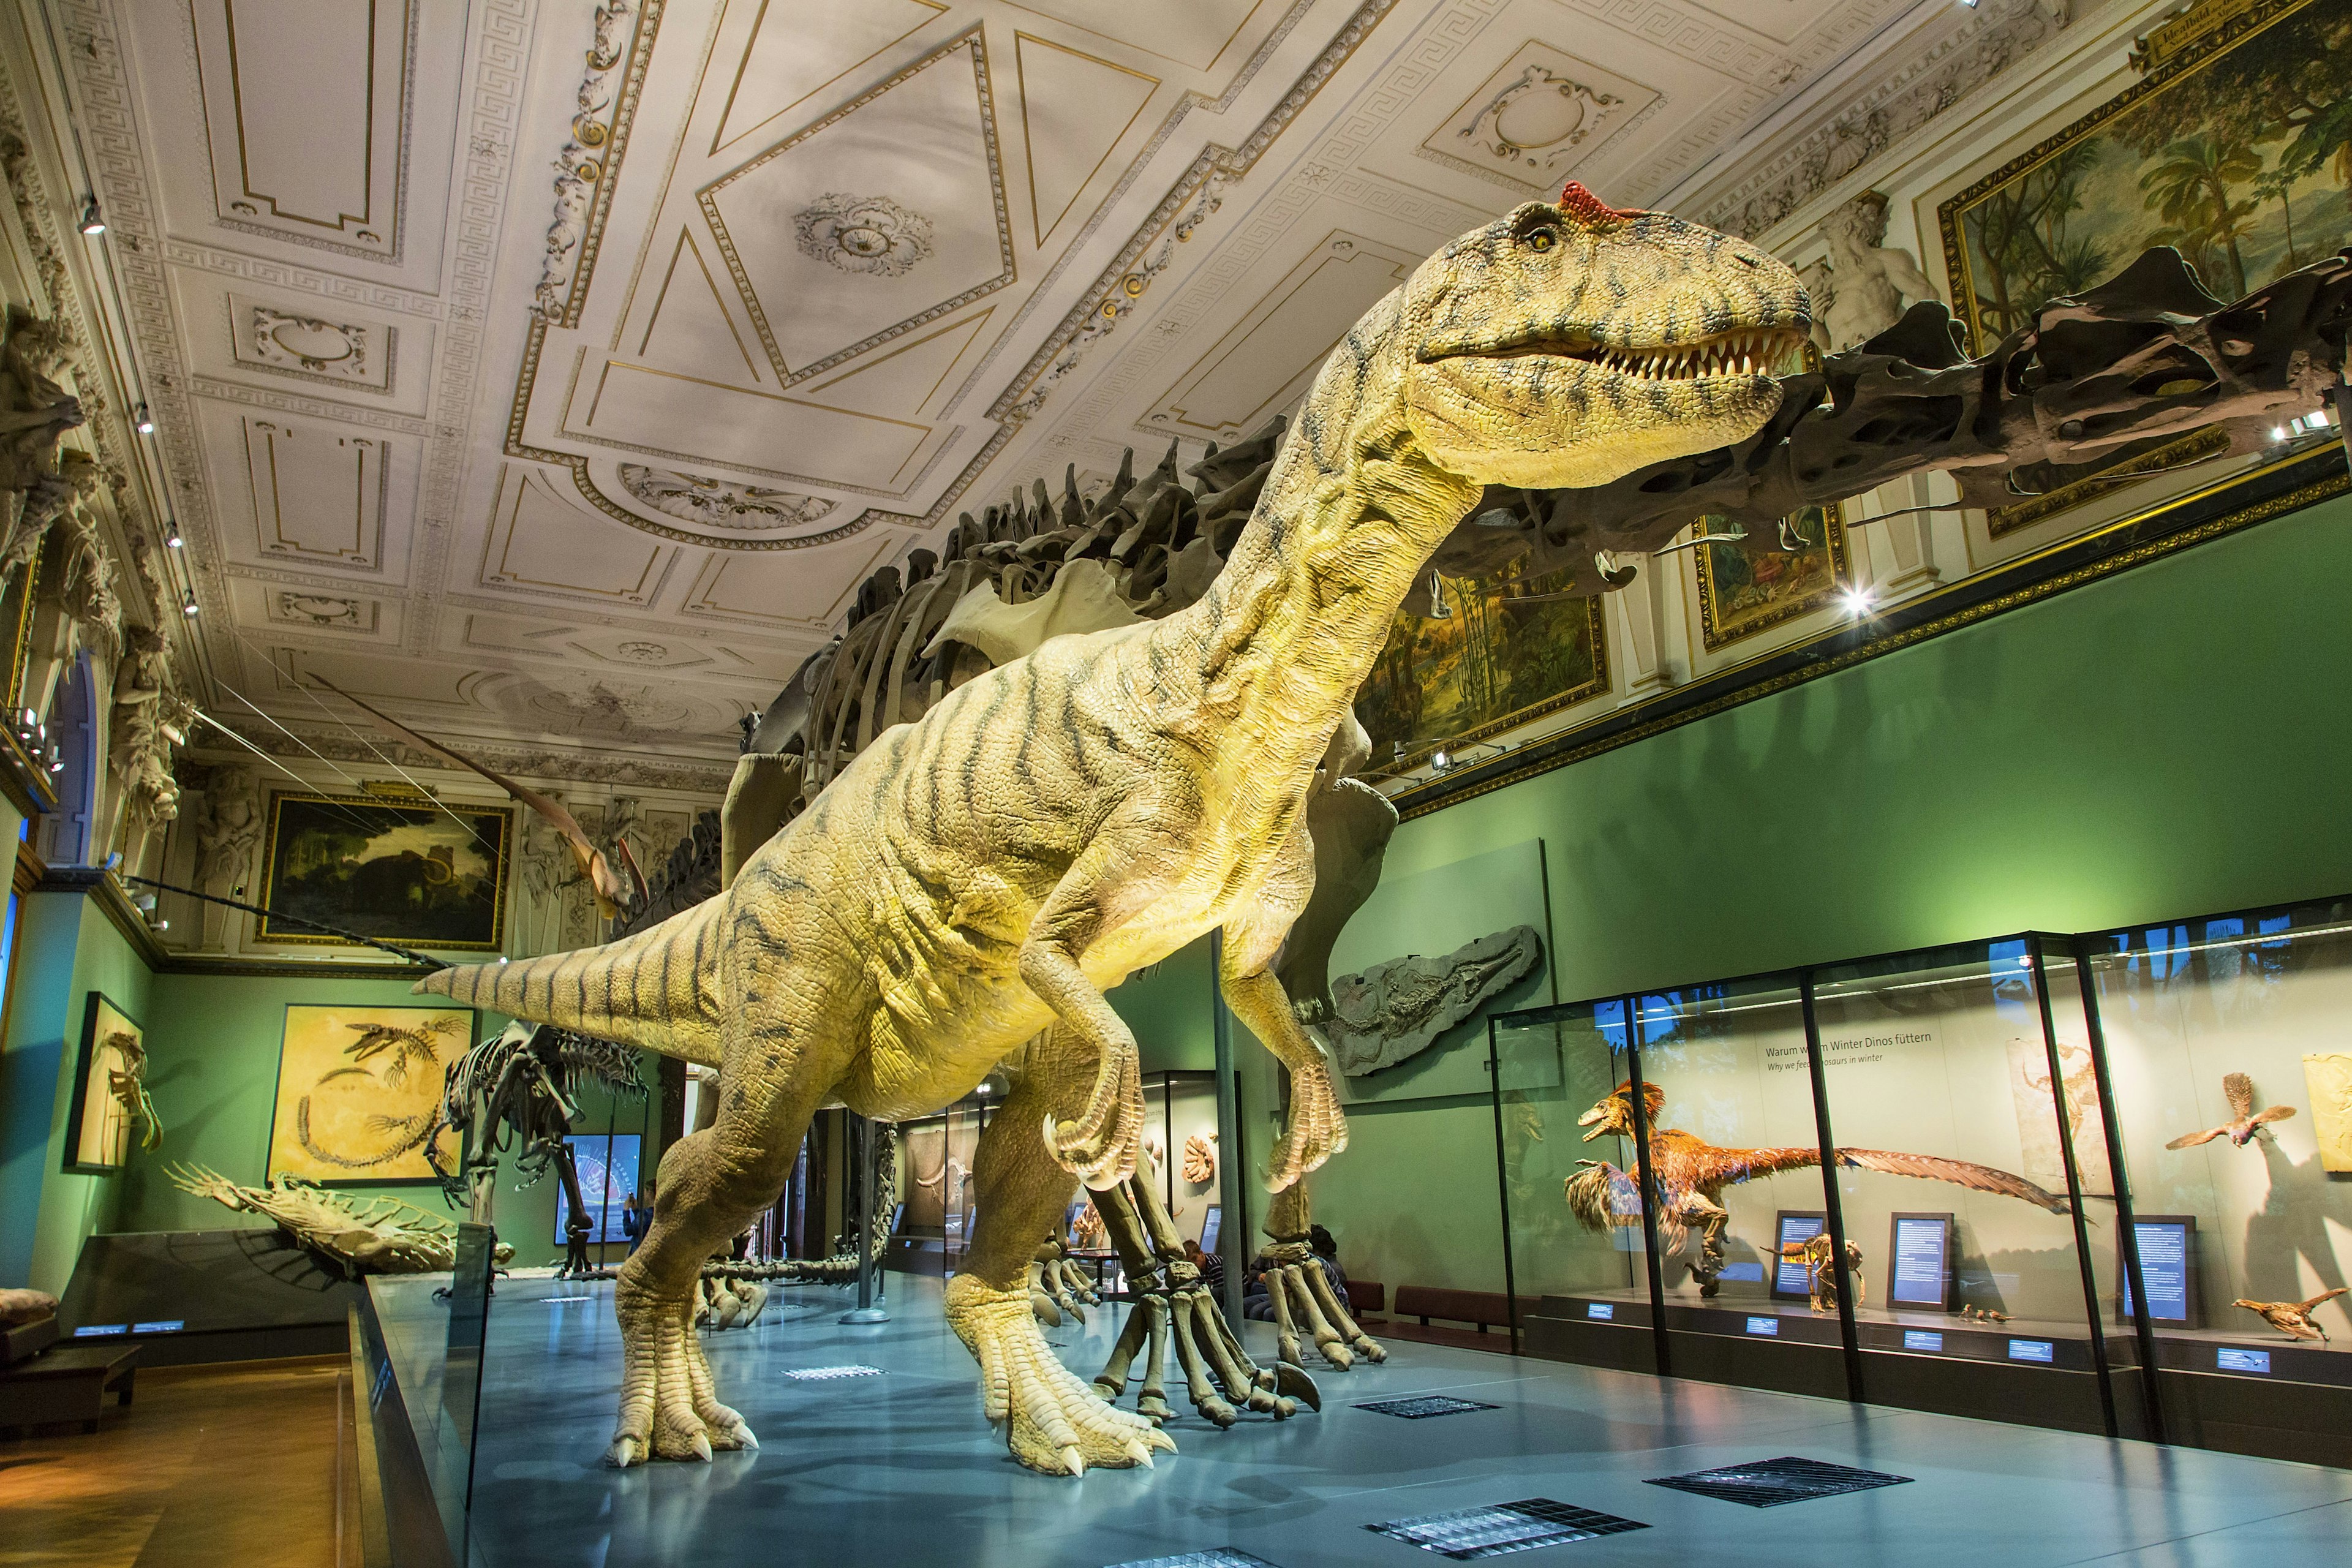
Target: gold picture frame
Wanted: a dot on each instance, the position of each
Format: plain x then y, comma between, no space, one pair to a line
1754,584
400,870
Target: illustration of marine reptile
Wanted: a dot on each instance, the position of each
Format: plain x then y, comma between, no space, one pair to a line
974,880
1690,1175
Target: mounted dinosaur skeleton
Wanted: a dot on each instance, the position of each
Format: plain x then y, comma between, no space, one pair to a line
1690,1174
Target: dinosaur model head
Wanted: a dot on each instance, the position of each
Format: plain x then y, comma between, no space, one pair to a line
1615,1114
1570,343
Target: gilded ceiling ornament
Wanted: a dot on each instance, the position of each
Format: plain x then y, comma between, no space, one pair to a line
1539,118
284,338
863,234
318,609
720,503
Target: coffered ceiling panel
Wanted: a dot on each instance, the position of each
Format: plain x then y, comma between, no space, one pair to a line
305,114
662,323
541,542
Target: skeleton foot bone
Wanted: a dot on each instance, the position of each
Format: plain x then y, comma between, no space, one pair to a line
1054,1422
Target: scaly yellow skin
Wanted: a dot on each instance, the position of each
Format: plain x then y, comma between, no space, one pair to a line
983,875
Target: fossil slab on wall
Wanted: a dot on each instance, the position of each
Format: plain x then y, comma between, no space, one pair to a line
1396,1010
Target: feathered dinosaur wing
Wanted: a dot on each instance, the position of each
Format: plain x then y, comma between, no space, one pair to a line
1960,1172
2272,1113
2239,1090
2321,1300
608,888
2190,1140
1707,1168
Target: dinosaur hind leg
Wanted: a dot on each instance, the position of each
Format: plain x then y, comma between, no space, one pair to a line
713,1185
1053,1420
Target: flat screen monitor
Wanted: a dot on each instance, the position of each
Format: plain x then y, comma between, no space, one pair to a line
898,1219
1213,1224
607,1164
1920,1271
1795,1227
2168,1261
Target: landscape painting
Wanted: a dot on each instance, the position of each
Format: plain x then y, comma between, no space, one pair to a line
1511,650
1761,581
359,1091
2236,150
404,873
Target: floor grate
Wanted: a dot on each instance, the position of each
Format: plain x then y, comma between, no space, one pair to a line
1473,1533
826,1373
1425,1406
1772,1482
1222,1557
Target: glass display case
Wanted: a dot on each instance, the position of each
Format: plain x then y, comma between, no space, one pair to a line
2225,1042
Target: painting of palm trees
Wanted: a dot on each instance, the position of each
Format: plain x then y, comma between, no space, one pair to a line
1507,651
2235,148
1747,585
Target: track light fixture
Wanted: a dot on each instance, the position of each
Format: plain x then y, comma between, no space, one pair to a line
188,605
91,221
142,421
171,532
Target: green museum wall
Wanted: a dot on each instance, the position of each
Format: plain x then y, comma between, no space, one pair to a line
2165,742
64,948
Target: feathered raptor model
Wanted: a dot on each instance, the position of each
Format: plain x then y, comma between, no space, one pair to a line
2244,1122
2293,1319
1691,1174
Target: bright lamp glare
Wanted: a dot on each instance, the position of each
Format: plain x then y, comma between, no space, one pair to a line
1857,602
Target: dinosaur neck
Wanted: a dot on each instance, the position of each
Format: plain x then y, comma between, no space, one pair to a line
1347,524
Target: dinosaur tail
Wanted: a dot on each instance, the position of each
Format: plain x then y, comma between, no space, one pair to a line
657,989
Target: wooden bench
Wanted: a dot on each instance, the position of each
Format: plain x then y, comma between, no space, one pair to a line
1366,1296
1484,1310
69,1383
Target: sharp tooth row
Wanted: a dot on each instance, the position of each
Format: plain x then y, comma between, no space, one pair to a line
1735,354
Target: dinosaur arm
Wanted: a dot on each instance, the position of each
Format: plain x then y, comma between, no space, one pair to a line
1960,1172
1254,939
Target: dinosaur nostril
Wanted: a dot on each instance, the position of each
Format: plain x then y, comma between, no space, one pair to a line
1744,260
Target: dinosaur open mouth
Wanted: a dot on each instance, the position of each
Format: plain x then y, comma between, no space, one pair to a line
1746,351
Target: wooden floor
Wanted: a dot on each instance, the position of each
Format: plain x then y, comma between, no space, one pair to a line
210,1466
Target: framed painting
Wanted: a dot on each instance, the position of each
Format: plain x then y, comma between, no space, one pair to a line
109,1096
359,1092
1511,650
2233,148
394,870
17,604
1765,579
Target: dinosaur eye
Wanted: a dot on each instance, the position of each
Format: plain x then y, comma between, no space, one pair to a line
1540,239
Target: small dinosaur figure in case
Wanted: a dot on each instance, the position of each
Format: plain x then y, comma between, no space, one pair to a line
2293,1319
1691,1174
2244,1119
974,880
1818,1256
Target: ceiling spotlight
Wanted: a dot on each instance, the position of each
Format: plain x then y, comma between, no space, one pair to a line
1857,602
188,605
171,532
2278,432
1440,760
91,223
142,421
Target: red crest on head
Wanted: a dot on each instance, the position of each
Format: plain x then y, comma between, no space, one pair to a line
1582,204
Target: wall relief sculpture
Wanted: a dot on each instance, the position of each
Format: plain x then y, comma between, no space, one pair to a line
1539,119
719,504
1394,1011
1861,289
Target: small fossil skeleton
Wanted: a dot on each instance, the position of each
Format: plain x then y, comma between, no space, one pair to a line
1819,1257
372,1236
127,1084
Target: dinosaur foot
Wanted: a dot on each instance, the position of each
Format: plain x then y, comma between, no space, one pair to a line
1054,1422
670,1404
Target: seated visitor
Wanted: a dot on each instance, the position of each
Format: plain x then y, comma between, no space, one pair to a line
1211,1267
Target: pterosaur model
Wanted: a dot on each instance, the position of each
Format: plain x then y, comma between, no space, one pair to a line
1690,1175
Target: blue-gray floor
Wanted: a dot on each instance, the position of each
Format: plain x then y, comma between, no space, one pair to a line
901,1468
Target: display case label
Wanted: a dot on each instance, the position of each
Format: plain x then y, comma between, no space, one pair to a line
1768,1326
1922,1340
1922,1261
1601,1310
2239,1360
160,1326
2164,1264
101,1331
2033,1350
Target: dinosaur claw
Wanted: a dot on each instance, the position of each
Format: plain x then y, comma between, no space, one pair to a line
1074,1461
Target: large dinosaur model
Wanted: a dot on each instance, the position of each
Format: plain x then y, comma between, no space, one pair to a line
1690,1174
1050,827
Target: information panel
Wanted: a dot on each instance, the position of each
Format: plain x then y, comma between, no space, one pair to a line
1796,1227
2168,1261
1921,1275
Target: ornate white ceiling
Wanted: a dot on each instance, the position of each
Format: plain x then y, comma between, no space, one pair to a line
553,374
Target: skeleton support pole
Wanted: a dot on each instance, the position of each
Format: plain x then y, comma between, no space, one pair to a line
869,1257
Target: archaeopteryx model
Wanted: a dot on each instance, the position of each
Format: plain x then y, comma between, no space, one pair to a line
1690,1175
984,873
2293,1319
2244,1119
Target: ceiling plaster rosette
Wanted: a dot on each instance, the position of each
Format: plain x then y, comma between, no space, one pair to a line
714,510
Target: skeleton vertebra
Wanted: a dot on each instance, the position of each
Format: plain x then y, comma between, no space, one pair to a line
1054,824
